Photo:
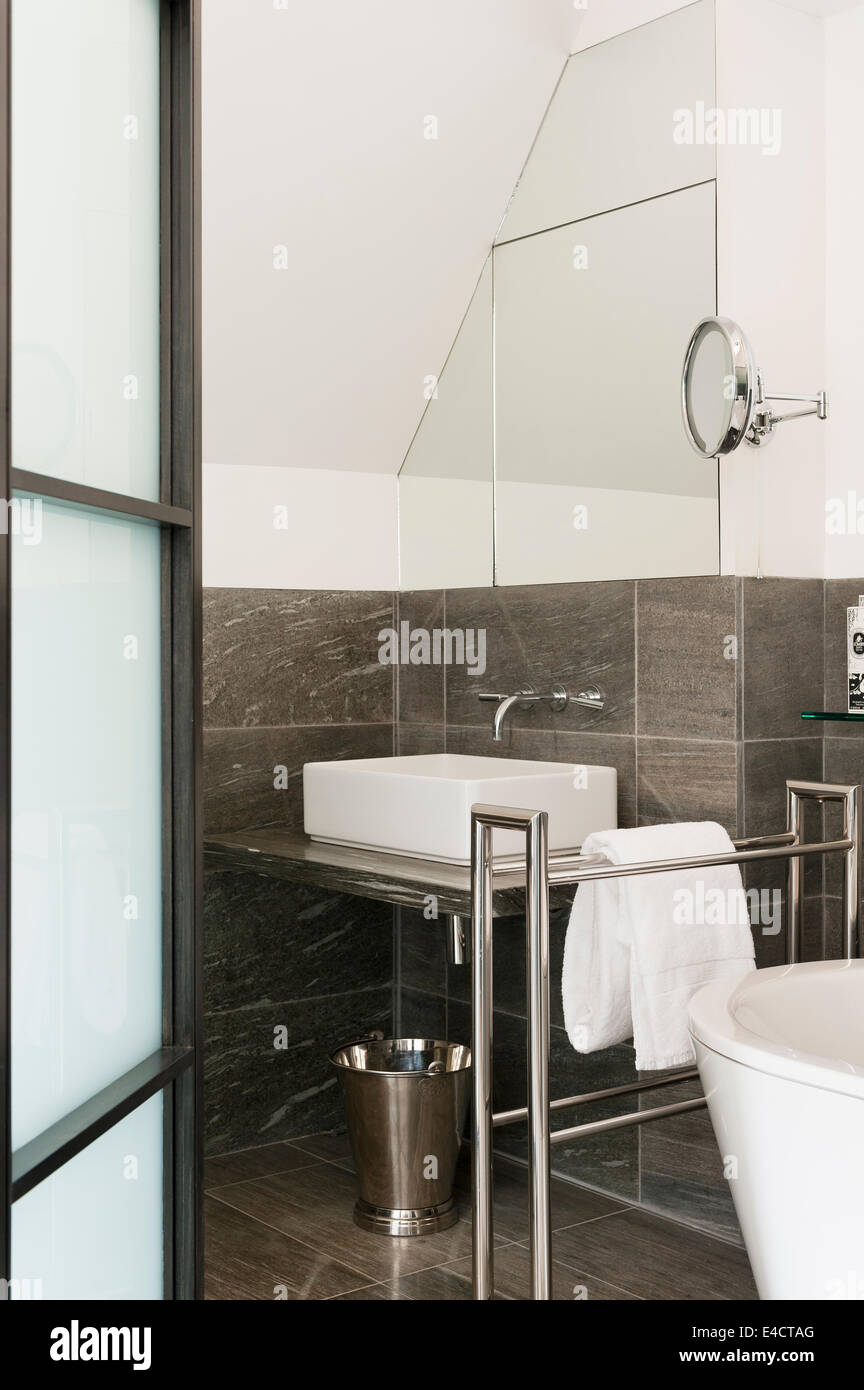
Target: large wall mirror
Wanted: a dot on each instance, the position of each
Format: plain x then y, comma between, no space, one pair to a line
552,447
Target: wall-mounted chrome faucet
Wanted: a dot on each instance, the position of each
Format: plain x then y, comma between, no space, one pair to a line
526,697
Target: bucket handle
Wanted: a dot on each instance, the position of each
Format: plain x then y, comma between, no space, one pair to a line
374,1035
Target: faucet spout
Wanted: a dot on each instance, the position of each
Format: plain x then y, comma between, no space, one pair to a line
501,713
558,698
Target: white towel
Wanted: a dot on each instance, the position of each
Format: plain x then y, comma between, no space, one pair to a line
638,947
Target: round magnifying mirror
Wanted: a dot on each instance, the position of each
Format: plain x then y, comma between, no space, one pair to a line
718,387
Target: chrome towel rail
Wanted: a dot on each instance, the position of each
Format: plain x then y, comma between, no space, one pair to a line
537,871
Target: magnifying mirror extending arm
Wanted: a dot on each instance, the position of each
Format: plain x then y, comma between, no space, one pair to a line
762,426
723,393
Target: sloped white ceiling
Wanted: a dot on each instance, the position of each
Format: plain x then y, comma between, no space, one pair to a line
825,8
594,21
315,117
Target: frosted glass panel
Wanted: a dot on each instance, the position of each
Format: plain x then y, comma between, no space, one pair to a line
85,241
86,804
94,1228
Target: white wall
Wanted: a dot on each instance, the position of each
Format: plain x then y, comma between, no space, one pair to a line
844,552
298,528
313,120
771,278
314,115
594,21
538,541
774,215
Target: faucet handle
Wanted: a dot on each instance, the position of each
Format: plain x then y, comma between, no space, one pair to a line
526,696
558,697
592,697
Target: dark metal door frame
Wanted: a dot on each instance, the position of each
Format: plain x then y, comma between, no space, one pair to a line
176,1069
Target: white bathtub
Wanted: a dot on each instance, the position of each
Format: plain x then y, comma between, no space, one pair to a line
781,1056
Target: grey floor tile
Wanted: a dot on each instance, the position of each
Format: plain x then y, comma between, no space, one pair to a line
332,1148
705,1204
656,1259
315,1205
607,1161
372,1293
512,1279
247,1260
570,1204
681,1169
290,1234
254,1163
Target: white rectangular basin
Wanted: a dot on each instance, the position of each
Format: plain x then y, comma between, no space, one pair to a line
422,805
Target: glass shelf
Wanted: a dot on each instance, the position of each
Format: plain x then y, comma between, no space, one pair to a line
836,718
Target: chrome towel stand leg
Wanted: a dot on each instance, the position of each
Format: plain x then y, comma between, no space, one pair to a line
796,794
536,875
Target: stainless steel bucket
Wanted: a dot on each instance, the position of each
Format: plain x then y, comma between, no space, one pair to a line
405,1100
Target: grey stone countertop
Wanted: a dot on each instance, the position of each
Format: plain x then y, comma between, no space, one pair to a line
391,878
